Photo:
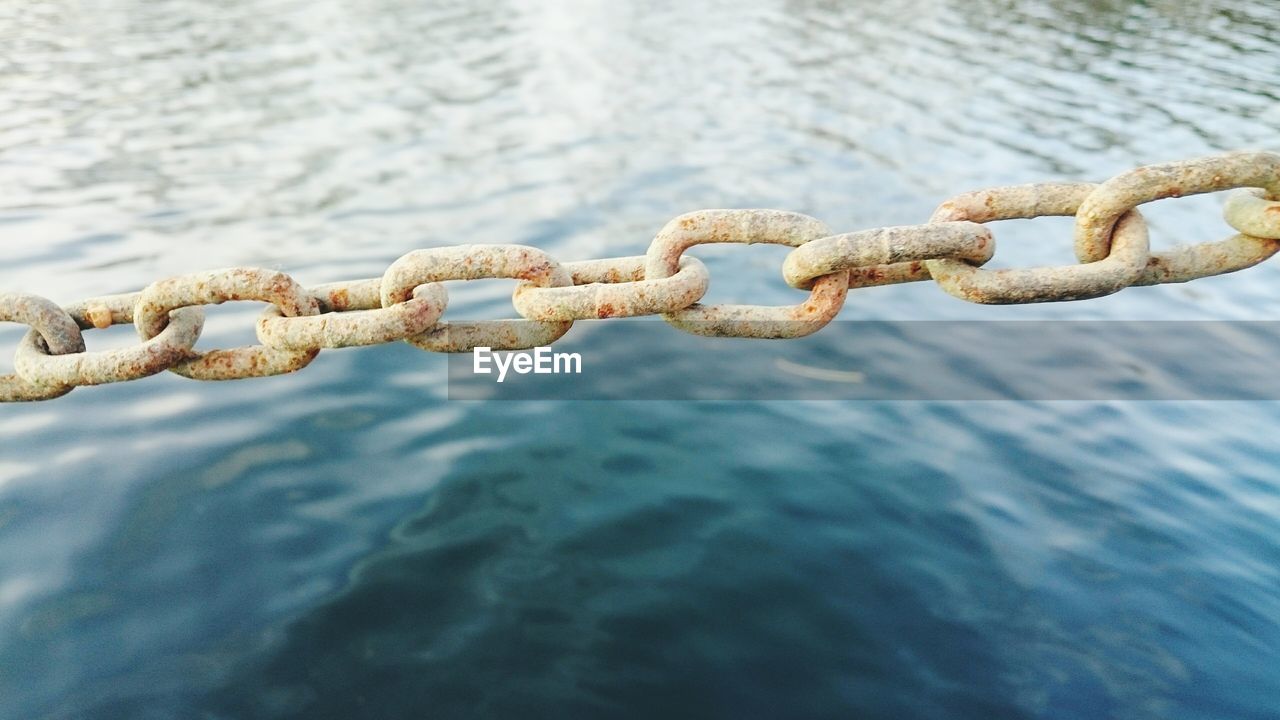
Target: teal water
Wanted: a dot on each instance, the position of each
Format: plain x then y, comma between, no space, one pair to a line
346,542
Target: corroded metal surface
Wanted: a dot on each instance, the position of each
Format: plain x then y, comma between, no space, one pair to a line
173,344
1117,271
478,262
361,321
213,288
776,227
1207,259
57,331
350,295
408,300
1251,212
613,287
896,251
1099,212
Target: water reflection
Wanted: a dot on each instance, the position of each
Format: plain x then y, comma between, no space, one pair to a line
517,591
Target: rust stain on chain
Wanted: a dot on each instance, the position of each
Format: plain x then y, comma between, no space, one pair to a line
407,302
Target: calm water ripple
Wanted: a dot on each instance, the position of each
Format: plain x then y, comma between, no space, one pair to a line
347,543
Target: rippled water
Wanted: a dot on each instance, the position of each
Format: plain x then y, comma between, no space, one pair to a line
344,542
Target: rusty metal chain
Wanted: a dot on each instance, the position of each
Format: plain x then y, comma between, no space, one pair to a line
407,302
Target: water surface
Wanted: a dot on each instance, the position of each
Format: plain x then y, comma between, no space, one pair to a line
345,542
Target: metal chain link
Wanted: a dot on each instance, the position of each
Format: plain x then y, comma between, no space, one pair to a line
407,302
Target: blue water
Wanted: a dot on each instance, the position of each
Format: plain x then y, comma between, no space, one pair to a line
346,542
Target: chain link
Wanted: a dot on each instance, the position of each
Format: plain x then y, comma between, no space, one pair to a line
407,302
478,262
1119,269
173,344
747,226
1251,213
357,319
614,287
58,332
1124,192
156,303
893,251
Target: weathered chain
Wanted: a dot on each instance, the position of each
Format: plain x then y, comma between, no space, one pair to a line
406,303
